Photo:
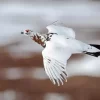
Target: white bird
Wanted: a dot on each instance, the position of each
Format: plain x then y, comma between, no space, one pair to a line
59,44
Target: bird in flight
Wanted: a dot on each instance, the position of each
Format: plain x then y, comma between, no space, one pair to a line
59,44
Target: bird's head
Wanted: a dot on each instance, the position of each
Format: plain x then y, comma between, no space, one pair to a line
37,37
29,33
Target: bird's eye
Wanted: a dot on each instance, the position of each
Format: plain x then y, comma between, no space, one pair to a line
50,35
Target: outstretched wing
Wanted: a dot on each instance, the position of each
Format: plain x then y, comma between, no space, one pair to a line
55,70
61,30
55,61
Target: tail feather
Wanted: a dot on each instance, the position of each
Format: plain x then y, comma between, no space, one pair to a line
95,54
95,45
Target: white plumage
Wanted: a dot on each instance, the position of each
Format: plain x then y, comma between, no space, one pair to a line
61,30
55,61
58,50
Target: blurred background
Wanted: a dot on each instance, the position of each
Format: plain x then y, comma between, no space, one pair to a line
22,76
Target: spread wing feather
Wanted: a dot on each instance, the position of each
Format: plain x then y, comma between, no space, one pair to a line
55,70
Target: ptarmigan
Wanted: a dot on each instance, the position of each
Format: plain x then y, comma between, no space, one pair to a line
59,44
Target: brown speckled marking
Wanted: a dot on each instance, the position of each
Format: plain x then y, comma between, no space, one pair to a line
38,40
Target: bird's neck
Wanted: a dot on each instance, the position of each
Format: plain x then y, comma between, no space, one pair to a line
40,39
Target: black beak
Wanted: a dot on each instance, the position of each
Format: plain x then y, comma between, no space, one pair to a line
22,32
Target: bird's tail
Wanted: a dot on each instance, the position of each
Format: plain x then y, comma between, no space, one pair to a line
95,54
96,46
